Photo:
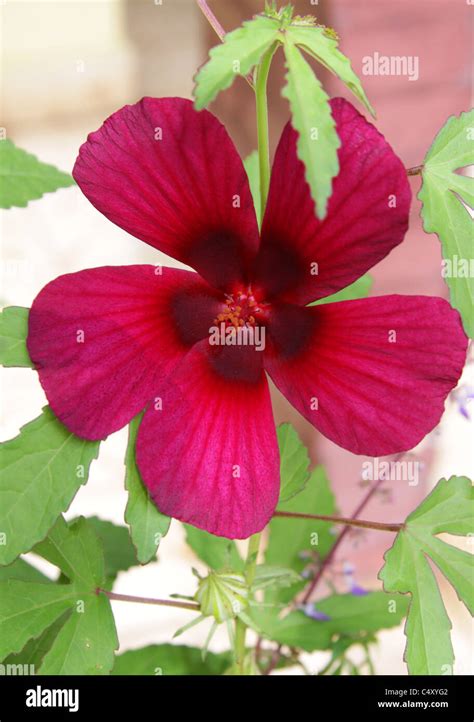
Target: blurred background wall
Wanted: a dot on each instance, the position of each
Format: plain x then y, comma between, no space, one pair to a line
66,65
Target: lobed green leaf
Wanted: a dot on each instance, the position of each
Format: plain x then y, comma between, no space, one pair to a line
318,141
348,615
443,212
359,289
147,525
170,659
295,543
215,551
61,628
317,43
251,165
13,334
27,609
239,52
119,552
85,644
449,508
24,178
42,469
294,462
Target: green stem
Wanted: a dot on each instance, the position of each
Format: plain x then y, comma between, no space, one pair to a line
251,561
240,633
262,125
264,175
240,626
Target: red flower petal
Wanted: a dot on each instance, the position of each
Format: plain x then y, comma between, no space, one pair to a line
368,389
210,455
360,228
104,338
172,177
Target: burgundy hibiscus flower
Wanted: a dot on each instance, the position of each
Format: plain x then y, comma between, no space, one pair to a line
370,374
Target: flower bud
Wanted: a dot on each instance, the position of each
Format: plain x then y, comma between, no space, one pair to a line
222,595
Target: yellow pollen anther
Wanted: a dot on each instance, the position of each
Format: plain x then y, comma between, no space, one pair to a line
240,310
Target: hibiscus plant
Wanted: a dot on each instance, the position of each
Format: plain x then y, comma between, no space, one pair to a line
277,290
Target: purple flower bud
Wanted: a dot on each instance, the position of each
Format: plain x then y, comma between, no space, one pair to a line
462,396
310,610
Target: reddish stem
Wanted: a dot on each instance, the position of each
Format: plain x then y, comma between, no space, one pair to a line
381,526
328,560
149,600
211,18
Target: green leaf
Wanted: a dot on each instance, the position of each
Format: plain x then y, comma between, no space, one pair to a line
86,642
311,117
251,165
34,651
323,47
13,333
27,609
359,289
348,614
147,525
76,550
119,552
290,539
170,659
294,462
23,570
266,576
82,641
371,612
239,52
450,509
445,215
215,551
24,178
428,649
283,14
42,469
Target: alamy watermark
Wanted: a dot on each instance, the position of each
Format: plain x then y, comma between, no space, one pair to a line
44,697
17,670
456,267
396,65
224,335
401,470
